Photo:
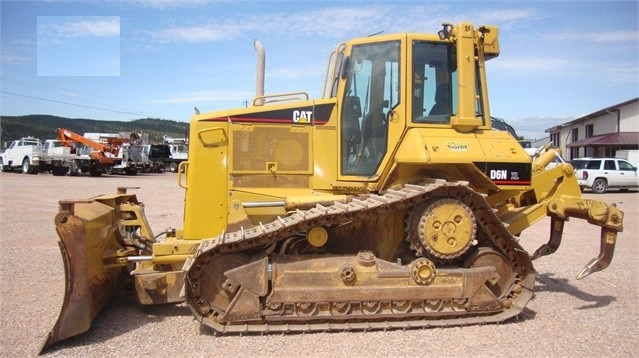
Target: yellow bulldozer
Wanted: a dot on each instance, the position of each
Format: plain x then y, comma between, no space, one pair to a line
387,203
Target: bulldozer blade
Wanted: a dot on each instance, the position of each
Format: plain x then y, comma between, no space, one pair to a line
89,248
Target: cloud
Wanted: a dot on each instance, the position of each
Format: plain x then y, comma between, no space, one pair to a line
613,36
325,22
534,127
621,74
294,73
85,26
206,33
532,64
333,22
9,59
205,96
336,21
596,37
504,17
168,4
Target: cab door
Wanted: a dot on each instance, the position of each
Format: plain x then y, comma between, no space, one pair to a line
371,109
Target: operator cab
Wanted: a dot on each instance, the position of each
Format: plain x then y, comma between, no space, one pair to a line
373,74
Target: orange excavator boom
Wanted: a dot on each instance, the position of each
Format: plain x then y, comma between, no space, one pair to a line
103,152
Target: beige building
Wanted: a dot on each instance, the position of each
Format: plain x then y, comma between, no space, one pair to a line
599,134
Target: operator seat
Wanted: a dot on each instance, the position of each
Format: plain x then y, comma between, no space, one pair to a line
441,106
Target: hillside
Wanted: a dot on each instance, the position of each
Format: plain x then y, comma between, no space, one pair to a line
44,127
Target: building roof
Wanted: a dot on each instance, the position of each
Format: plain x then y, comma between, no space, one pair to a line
591,115
617,138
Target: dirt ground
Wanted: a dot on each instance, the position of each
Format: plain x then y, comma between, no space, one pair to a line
596,316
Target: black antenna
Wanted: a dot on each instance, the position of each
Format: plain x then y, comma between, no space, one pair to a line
375,34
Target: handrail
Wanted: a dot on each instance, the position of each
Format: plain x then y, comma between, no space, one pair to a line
332,60
280,97
181,180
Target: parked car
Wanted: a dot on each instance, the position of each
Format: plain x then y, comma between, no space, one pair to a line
601,174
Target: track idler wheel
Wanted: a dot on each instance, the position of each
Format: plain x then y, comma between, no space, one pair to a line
216,289
502,279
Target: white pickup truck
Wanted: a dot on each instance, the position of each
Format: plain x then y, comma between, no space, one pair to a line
31,156
601,174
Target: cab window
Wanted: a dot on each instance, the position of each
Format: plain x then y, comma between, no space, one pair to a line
434,73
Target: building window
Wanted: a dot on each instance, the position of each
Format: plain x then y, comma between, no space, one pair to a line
589,130
574,136
574,153
554,139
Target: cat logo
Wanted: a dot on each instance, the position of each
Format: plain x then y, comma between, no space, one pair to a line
302,116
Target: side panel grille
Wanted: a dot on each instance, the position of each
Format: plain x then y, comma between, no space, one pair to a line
270,155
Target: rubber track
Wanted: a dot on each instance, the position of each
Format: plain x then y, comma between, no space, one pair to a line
374,204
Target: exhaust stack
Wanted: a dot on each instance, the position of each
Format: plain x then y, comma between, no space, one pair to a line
261,61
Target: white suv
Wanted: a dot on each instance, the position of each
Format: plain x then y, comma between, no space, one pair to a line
600,174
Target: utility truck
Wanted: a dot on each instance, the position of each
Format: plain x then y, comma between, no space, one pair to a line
171,152
107,153
31,156
95,157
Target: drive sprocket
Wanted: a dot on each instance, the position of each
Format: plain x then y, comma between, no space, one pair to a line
443,228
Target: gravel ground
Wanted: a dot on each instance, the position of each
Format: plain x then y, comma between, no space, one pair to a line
597,316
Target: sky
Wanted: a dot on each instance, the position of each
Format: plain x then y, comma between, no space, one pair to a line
125,60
